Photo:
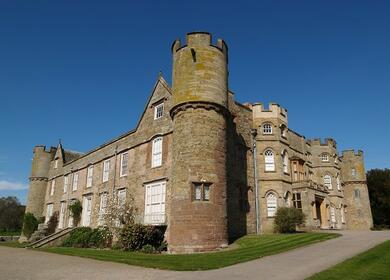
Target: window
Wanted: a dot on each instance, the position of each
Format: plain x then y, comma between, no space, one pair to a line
66,183
157,152
328,181
285,162
106,170
53,184
70,217
357,193
55,163
158,111
75,181
332,215
102,208
297,201
155,203
269,160
49,212
342,210
121,197
124,164
201,191
87,211
89,176
283,131
62,215
324,157
267,128
338,184
272,204
287,199
353,172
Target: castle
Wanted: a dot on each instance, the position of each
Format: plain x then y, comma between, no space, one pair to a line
205,166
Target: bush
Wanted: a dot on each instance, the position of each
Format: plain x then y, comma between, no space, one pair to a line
148,249
85,237
75,209
78,238
30,224
134,237
287,219
52,223
100,237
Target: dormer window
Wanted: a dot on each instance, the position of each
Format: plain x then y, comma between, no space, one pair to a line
267,128
158,111
324,157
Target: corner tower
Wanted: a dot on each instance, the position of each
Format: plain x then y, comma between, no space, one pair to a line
353,174
198,211
38,180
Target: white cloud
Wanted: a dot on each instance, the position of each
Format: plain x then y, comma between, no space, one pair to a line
7,185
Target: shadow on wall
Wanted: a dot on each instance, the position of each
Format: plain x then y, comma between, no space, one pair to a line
237,183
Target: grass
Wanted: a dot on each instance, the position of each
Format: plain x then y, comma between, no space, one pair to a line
14,244
369,265
248,248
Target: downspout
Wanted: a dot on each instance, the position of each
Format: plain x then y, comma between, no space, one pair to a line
254,134
115,160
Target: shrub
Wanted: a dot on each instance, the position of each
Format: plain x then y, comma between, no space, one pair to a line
287,219
134,237
52,223
75,209
30,224
148,249
80,238
100,237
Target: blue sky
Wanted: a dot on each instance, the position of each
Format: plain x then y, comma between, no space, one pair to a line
83,70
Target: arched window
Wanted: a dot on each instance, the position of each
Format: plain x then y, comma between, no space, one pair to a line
272,204
283,131
267,128
269,160
285,161
287,199
328,181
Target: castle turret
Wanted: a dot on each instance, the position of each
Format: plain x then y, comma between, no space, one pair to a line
38,180
353,174
198,216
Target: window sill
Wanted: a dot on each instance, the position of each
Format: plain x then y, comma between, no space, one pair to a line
123,175
155,167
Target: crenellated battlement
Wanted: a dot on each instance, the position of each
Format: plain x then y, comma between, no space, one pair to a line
42,149
274,110
352,154
199,39
323,142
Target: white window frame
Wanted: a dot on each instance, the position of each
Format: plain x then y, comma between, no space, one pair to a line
324,157
155,203
353,172
285,161
269,160
338,183
272,204
61,221
158,111
121,194
157,150
342,210
328,181
55,163
124,164
49,212
52,187
66,183
102,208
75,181
106,170
86,217
89,176
267,128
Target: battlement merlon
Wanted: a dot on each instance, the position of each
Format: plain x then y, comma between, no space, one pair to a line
323,142
199,39
41,149
274,111
352,154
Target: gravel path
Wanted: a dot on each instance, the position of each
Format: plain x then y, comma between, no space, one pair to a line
296,264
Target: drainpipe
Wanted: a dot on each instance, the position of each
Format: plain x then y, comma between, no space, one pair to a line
114,177
254,134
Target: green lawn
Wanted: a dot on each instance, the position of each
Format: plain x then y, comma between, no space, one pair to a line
249,247
373,264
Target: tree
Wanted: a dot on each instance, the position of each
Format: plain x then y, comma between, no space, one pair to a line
378,182
287,219
11,214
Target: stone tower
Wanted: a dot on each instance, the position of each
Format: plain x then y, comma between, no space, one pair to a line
38,180
198,211
353,174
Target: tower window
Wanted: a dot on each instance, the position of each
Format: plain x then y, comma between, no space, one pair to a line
55,163
272,204
269,160
285,162
201,191
353,172
328,181
324,157
53,184
158,111
267,128
357,193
